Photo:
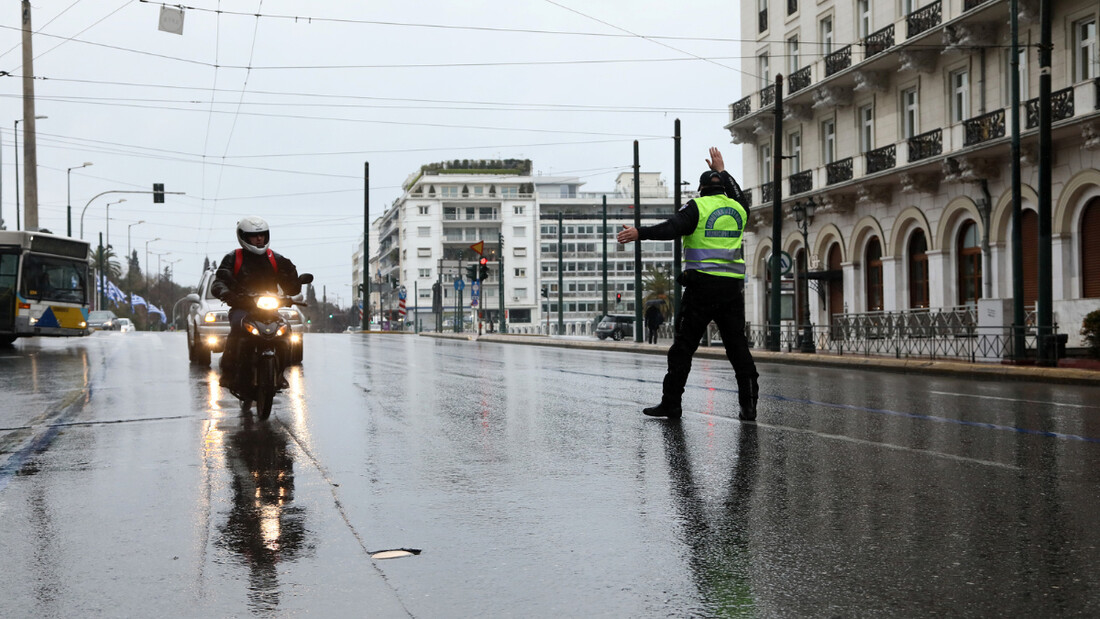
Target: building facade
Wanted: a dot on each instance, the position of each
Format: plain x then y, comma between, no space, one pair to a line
896,134
424,239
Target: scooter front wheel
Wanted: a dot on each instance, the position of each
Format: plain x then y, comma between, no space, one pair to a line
267,382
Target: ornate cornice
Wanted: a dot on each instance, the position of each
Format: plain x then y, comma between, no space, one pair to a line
922,60
1090,132
832,96
798,111
742,136
920,182
871,81
867,193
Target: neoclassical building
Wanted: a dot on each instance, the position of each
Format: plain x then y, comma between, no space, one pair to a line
896,126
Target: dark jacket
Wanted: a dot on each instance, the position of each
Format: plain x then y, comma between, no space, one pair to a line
256,275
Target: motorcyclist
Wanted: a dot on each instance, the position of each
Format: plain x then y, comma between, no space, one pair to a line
252,269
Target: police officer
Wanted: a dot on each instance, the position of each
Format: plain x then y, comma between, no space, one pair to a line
252,269
712,226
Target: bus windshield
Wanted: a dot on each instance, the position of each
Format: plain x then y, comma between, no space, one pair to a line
48,278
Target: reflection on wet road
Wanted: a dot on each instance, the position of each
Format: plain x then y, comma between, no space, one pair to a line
130,483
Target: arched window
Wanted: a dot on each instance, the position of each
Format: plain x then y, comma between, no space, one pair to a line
970,264
836,284
918,270
1090,251
874,275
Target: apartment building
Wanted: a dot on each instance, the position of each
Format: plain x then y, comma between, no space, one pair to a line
425,236
897,155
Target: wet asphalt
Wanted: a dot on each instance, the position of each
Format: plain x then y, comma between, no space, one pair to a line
529,484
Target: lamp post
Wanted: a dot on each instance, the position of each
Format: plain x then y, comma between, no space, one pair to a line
804,216
69,197
128,241
108,218
129,277
147,256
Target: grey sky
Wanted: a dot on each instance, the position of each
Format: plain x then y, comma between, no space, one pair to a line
274,116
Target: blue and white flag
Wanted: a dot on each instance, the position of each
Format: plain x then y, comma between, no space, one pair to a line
137,300
153,309
114,293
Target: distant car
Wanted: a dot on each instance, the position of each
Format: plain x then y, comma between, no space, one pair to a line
615,327
125,325
208,325
103,320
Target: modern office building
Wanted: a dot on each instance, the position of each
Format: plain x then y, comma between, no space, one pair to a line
897,153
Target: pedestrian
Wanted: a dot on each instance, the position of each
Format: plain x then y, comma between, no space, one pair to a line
653,321
712,227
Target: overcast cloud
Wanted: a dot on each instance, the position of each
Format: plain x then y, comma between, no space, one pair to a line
274,116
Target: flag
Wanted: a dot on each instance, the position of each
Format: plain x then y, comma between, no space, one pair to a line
114,293
153,309
137,300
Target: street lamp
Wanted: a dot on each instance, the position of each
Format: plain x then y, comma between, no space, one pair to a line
129,273
803,217
128,241
15,138
147,256
69,195
120,201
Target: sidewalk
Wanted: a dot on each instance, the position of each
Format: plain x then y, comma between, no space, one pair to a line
987,371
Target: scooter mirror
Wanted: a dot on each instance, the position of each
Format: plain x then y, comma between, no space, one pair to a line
305,278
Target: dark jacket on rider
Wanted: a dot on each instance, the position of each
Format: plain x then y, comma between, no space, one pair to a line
255,275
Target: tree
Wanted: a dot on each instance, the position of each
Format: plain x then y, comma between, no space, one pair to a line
106,256
658,286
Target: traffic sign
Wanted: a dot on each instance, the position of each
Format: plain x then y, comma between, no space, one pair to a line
459,284
785,262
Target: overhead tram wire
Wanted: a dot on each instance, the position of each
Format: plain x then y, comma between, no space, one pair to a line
209,122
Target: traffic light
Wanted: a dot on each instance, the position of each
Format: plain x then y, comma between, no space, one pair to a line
545,293
471,272
618,297
158,193
483,271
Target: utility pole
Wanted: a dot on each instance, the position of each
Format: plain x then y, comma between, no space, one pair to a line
677,196
606,233
777,220
561,278
366,245
1019,345
1047,353
30,156
500,282
637,248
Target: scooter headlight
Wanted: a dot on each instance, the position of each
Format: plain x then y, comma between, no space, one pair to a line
267,303
281,331
252,329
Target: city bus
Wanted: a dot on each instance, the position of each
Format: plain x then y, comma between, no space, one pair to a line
45,285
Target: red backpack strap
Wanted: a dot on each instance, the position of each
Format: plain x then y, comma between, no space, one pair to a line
237,261
271,259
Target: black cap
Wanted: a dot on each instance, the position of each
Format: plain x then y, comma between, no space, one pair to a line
710,177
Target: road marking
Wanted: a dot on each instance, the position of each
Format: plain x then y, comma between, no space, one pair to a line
70,406
993,397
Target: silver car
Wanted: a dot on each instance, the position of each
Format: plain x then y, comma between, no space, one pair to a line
208,325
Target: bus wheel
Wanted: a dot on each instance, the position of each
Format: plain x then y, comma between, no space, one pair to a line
7,340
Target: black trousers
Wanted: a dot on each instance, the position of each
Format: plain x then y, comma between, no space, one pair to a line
722,302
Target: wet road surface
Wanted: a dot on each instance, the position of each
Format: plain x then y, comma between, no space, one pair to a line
130,485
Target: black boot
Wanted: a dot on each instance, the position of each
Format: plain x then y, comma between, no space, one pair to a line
672,411
747,397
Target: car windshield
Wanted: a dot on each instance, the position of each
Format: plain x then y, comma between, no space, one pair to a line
100,315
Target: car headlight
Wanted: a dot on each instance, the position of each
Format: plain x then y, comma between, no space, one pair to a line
212,341
295,338
267,303
210,317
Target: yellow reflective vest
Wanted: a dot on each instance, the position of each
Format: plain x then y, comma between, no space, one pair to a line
715,245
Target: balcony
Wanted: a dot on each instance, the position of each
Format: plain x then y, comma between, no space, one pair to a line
764,20
767,96
801,182
766,193
1061,107
985,127
838,171
925,145
972,4
741,108
799,79
747,194
878,42
881,159
838,61
924,19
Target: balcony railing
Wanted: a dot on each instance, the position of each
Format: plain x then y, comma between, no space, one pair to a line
747,194
838,61
763,20
985,127
972,4
924,19
739,109
1061,107
925,145
879,41
800,79
766,193
880,159
767,96
838,171
801,182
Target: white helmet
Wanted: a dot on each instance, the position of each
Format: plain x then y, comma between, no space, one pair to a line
250,226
